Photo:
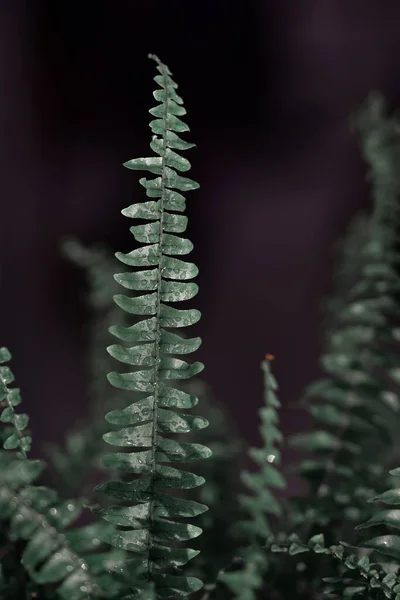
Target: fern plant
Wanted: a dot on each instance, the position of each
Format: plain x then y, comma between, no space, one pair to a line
78,460
146,521
349,262
18,438
359,404
260,503
35,524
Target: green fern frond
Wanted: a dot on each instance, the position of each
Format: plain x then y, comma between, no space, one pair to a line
359,577
349,262
147,519
360,402
35,516
78,460
54,555
19,438
389,518
99,266
261,503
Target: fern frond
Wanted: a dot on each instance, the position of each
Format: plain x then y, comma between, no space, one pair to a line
261,503
54,555
18,439
35,516
360,402
349,263
78,460
389,518
359,577
356,575
146,522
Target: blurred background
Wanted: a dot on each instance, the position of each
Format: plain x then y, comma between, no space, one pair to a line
269,86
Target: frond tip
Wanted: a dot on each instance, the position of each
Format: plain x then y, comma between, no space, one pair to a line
147,524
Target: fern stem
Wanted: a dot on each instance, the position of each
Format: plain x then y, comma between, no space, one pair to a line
158,329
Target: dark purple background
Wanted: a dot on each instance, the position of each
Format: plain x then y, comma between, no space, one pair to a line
268,87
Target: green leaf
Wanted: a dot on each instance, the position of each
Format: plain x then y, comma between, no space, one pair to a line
171,106
140,435
387,544
127,516
172,422
174,245
173,317
171,507
140,305
140,381
5,355
145,256
135,413
391,518
134,462
137,356
166,557
143,281
388,497
144,331
148,234
174,368
174,291
171,451
172,123
174,344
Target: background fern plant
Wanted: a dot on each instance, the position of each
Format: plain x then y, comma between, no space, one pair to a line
77,463
259,503
146,519
43,556
360,402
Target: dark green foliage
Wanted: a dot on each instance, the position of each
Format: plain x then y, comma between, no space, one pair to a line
349,263
359,577
247,582
75,464
389,517
359,399
155,505
261,503
146,520
35,526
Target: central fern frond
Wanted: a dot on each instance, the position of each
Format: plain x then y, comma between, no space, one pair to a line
146,520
